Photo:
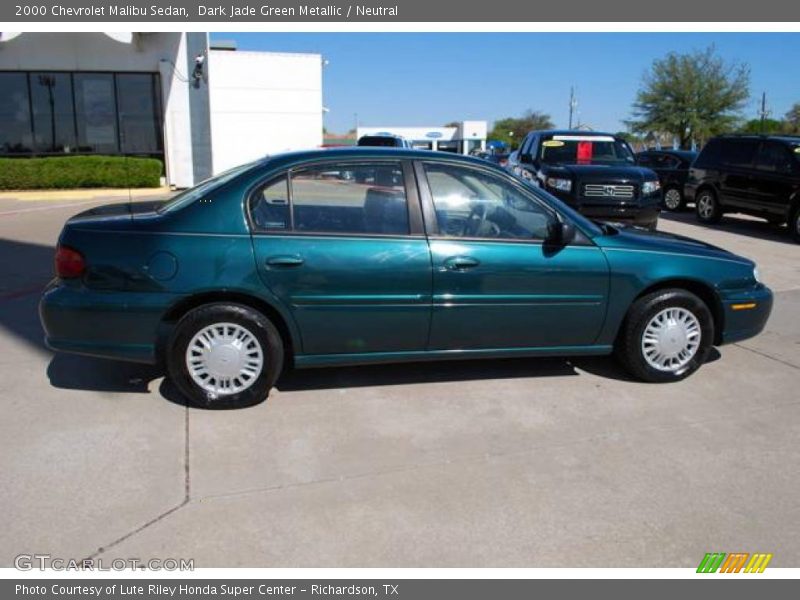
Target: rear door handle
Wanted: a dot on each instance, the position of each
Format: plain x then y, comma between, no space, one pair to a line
459,263
284,261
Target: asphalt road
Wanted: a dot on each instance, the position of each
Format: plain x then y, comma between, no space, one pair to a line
529,463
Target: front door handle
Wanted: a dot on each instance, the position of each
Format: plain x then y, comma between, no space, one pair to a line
459,263
284,261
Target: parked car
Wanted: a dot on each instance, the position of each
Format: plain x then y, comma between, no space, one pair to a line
384,141
595,173
434,256
749,174
672,168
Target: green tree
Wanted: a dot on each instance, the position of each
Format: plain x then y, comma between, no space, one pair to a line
691,96
793,119
770,126
511,130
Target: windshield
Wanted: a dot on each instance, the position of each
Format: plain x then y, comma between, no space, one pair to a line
586,150
201,189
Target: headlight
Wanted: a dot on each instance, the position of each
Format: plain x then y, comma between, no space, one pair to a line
650,187
556,183
756,274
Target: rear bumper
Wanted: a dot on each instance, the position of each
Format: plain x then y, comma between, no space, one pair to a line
116,325
745,313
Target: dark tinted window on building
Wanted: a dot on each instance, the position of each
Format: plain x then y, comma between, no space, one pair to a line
53,112
16,135
96,111
139,113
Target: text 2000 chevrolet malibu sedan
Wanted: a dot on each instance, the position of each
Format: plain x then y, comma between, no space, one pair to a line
378,255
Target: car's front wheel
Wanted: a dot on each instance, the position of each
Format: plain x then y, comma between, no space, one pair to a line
794,225
673,199
224,355
707,207
666,336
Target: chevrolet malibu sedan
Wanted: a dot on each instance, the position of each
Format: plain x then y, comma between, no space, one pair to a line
372,255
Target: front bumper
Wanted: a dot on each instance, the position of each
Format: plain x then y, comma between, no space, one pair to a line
643,216
745,313
116,325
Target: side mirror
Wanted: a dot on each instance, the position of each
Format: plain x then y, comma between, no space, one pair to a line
560,233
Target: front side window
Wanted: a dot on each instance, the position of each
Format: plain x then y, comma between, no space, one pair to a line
774,157
364,198
476,204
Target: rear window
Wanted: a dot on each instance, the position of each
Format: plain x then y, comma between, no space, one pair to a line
202,189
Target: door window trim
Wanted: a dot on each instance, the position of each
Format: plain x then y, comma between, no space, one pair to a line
415,219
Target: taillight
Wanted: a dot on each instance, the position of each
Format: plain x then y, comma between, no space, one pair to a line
69,263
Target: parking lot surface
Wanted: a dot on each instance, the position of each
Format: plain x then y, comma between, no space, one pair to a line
504,463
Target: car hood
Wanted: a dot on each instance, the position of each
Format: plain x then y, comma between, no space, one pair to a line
635,238
115,216
602,172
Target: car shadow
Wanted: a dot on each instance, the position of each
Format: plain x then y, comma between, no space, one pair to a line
421,372
25,270
739,224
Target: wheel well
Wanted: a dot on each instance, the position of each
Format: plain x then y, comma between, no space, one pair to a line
177,311
705,292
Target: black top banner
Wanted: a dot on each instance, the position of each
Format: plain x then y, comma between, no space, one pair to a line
400,11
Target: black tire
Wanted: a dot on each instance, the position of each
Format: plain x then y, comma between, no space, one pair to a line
669,196
707,213
629,342
794,224
261,328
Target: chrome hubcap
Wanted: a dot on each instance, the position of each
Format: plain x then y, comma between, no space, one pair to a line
672,199
705,206
671,339
224,359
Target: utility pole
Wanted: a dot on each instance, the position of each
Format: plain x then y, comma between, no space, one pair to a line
573,103
763,113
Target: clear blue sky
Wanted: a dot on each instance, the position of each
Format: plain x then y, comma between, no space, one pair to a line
433,78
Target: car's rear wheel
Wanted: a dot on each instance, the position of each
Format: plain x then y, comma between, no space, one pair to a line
224,356
794,225
666,336
673,199
707,207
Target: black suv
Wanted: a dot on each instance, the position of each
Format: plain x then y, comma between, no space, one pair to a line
750,174
595,173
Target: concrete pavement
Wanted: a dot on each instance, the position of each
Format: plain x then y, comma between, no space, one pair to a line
495,463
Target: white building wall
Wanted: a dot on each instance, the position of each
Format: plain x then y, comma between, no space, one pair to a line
263,103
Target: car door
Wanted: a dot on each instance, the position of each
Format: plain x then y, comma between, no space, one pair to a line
496,283
341,245
771,186
736,173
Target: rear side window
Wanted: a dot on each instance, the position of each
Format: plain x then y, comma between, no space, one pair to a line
738,153
363,198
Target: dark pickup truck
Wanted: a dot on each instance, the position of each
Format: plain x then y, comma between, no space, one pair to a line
595,173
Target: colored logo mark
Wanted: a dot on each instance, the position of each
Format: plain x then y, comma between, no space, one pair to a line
737,562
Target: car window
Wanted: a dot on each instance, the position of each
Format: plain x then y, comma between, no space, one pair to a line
269,206
365,198
738,153
473,203
645,160
773,157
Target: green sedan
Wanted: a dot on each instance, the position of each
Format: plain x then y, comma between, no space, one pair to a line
370,255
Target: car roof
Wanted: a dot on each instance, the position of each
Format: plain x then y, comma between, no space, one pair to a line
678,153
367,152
573,132
789,139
